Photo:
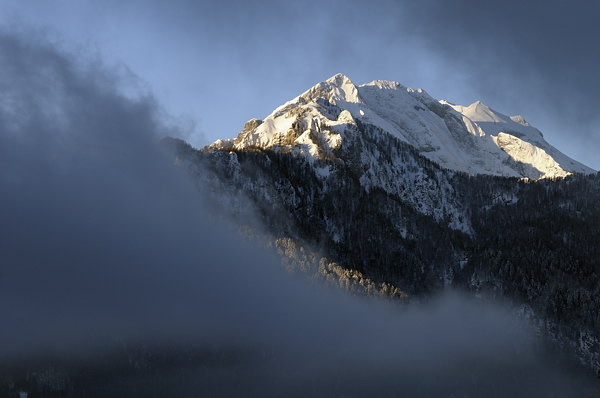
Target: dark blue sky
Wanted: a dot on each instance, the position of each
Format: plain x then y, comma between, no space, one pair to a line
218,64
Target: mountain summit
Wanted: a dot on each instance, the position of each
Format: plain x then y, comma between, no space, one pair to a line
474,139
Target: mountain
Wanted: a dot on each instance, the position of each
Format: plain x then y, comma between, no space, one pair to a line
474,139
384,191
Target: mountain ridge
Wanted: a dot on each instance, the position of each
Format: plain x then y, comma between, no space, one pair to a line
474,139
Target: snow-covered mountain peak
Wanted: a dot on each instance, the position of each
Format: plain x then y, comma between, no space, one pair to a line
339,79
493,122
384,84
474,139
480,112
338,88
396,88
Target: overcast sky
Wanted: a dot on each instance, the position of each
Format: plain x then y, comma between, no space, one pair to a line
220,63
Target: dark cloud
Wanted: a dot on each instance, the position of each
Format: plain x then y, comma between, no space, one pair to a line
103,239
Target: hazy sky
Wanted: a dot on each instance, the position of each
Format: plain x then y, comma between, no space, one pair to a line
220,63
